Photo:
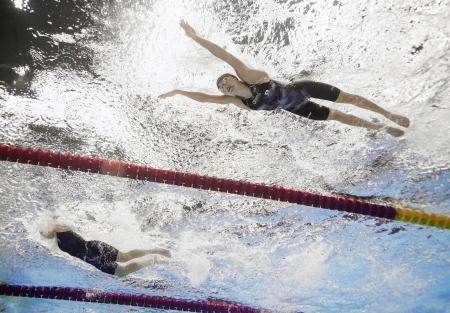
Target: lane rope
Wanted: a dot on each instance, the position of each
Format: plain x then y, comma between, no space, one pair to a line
103,166
141,300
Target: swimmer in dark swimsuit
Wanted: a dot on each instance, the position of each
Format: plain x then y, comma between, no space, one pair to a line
254,90
101,255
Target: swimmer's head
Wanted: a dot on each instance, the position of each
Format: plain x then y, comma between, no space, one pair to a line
226,83
47,233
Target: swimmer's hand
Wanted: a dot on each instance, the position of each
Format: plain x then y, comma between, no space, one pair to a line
168,94
190,32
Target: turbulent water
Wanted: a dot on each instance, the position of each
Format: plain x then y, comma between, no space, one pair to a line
94,92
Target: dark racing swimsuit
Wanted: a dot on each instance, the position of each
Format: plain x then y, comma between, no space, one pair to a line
293,97
96,253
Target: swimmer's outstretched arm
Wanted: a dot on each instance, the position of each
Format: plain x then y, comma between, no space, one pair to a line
251,76
203,97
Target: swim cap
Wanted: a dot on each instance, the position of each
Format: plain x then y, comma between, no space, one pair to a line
222,77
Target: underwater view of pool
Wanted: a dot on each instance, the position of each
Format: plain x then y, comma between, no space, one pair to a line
85,79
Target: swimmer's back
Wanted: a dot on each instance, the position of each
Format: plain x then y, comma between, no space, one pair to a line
72,243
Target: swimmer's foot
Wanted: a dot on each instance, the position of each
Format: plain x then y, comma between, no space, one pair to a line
163,252
399,119
393,131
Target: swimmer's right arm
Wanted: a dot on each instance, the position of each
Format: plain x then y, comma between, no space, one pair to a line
203,97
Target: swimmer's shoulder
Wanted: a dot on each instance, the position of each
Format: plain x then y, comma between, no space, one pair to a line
61,228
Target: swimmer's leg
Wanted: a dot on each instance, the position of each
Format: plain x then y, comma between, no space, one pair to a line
125,269
137,253
359,122
364,103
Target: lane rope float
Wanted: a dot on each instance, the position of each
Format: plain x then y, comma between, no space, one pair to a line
103,166
141,300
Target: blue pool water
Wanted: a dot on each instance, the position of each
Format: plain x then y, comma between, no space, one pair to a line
93,91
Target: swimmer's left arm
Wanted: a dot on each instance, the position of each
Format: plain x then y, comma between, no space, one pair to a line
247,74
